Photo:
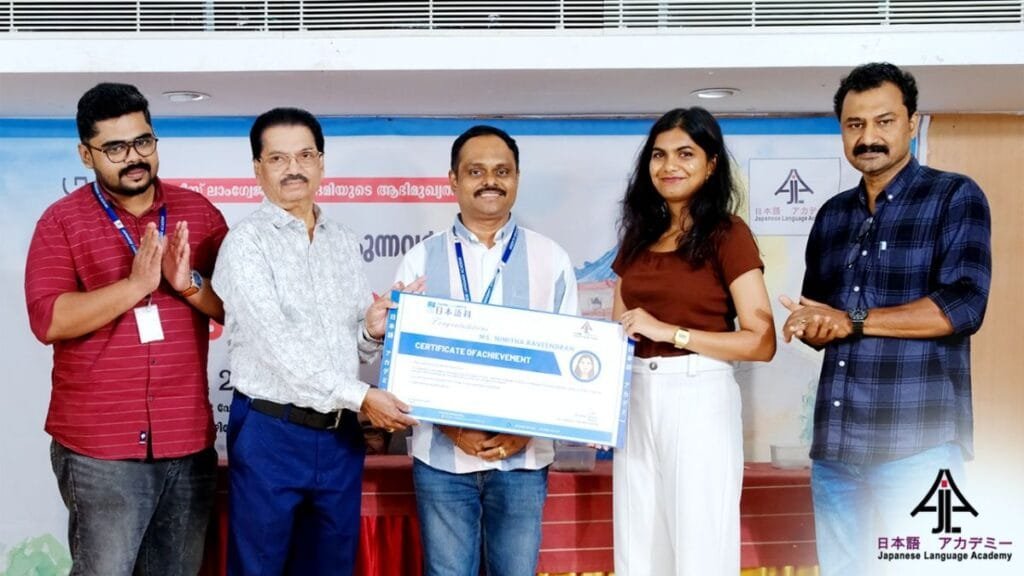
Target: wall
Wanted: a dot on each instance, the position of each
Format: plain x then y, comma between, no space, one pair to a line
990,149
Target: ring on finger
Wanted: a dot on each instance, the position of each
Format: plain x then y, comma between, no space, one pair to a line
501,452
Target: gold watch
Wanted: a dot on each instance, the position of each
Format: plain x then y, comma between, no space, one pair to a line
681,339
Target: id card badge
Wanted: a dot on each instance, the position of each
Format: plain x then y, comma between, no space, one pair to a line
148,320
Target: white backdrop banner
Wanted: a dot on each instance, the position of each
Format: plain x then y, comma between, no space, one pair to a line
387,180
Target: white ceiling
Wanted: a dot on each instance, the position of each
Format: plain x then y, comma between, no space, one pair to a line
509,92
959,69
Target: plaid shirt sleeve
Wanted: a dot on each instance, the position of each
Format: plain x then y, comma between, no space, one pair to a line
965,261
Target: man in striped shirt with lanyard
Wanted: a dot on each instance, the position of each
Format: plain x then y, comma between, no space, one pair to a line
128,311
477,488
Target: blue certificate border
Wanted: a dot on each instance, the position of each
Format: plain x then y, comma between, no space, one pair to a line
503,424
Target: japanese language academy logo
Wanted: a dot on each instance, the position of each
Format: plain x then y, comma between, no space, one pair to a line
944,499
947,503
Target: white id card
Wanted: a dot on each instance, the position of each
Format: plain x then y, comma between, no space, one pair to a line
148,320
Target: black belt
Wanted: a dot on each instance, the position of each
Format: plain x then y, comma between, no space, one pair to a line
299,415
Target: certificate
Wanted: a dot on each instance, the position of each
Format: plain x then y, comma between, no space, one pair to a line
508,369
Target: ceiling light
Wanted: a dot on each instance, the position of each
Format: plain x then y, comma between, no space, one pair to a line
712,93
185,96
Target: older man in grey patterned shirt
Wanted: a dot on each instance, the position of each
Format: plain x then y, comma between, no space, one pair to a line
301,317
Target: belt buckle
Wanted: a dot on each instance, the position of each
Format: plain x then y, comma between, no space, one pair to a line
337,421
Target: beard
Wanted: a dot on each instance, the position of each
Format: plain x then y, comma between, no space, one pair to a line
134,188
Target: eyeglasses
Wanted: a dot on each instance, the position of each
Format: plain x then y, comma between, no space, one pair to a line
857,244
280,160
118,151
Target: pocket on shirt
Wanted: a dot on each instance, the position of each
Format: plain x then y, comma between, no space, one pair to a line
908,269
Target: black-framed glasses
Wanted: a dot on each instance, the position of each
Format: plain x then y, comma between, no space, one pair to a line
118,151
279,160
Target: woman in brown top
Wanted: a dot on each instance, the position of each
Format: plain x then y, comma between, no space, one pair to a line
688,269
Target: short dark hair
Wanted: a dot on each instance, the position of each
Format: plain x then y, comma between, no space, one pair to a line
873,75
482,130
105,101
284,117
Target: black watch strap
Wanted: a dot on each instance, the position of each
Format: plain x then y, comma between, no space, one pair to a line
857,318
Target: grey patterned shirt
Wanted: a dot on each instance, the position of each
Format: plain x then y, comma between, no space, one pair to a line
294,310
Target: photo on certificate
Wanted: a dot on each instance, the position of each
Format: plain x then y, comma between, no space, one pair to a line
508,369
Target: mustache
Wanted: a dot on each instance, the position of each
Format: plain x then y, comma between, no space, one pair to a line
135,166
866,148
294,178
489,189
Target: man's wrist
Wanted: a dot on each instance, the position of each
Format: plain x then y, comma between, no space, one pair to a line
856,318
370,337
194,286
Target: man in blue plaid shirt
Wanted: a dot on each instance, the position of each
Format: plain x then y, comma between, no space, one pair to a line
897,280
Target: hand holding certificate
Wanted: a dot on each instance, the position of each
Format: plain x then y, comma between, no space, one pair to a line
508,370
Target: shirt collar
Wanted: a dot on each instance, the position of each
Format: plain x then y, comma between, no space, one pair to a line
897,186
280,217
158,197
465,234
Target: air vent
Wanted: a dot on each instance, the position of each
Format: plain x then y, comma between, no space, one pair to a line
323,15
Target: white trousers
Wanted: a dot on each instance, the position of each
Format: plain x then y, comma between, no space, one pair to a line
678,480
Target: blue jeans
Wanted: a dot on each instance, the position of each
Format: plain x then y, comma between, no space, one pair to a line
854,505
295,494
497,511
136,517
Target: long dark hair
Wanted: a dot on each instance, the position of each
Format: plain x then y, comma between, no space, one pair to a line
645,215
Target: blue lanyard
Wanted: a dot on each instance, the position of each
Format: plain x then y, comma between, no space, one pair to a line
117,219
497,272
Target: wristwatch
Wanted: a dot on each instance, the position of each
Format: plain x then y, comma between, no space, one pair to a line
681,338
197,283
857,317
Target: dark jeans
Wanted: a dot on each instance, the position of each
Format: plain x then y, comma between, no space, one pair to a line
295,495
128,517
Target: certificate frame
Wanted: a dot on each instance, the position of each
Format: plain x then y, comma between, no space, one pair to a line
512,370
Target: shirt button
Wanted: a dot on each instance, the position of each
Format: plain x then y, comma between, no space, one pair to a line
653,366
837,403
152,362
842,363
889,197
863,252
856,288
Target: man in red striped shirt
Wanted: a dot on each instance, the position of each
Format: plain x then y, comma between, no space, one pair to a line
117,281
